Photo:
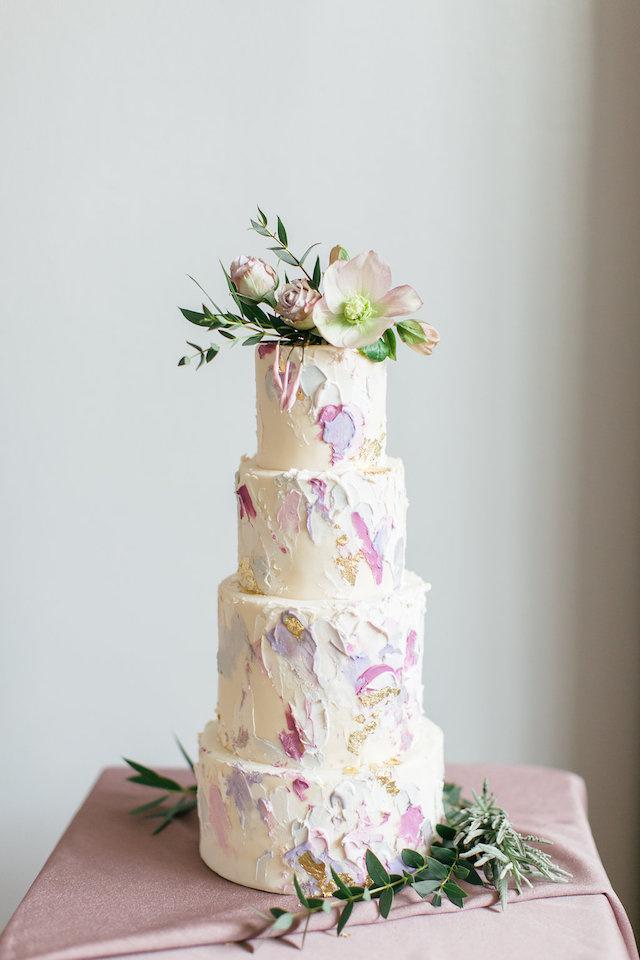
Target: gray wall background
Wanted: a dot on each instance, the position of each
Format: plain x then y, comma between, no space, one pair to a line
491,152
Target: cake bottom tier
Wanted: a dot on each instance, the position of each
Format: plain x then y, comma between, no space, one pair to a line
260,824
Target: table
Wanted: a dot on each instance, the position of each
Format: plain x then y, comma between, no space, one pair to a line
111,889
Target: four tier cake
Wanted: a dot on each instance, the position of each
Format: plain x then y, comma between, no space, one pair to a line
320,749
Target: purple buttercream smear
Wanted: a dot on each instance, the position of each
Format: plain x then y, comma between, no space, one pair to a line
341,428
247,508
410,655
410,823
218,817
370,674
265,349
290,738
371,555
299,786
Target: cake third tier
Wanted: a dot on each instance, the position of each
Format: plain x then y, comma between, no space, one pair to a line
323,683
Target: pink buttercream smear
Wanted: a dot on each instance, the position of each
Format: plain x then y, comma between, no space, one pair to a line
341,428
247,508
410,823
299,787
410,656
265,349
371,555
370,674
290,738
288,515
218,817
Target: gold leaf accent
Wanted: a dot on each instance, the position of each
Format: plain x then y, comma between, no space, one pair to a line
293,625
347,878
342,540
358,737
388,783
360,718
371,449
374,697
246,577
318,872
349,567
349,771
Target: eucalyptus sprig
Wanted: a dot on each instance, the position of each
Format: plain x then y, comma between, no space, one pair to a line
282,250
477,845
155,809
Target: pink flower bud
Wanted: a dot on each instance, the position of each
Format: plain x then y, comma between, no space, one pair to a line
296,302
427,346
253,277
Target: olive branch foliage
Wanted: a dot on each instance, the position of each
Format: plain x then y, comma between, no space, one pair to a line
258,318
477,845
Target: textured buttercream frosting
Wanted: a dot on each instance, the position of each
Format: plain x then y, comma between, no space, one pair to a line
335,533
321,748
261,823
339,415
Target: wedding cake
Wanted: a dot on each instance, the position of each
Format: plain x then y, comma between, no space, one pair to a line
320,749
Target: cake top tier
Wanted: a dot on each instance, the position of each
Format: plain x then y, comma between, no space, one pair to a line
337,414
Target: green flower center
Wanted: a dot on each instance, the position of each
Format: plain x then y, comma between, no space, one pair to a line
357,309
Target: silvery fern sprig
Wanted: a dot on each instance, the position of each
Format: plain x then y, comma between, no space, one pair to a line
486,837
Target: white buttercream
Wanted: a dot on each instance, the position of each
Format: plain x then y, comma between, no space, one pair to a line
339,414
333,533
320,682
261,823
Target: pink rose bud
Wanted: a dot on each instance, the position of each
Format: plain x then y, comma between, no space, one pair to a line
296,302
253,277
431,341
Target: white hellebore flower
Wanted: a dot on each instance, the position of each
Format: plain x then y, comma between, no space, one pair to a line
358,305
296,302
253,277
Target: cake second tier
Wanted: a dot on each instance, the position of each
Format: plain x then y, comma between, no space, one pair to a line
337,533
313,683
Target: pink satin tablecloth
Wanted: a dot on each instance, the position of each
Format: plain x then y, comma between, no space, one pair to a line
111,889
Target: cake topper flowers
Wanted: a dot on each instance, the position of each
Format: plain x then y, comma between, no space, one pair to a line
350,305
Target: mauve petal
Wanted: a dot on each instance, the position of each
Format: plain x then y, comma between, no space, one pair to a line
400,301
366,274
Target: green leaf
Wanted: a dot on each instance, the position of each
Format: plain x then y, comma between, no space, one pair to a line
377,352
149,806
437,870
340,884
386,902
251,341
301,896
389,338
276,912
150,778
411,858
344,918
282,233
182,750
193,316
314,902
211,353
184,361
283,922
376,871
436,900
461,872
410,332
447,833
473,877
262,217
226,334
317,274
455,893
307,252
259,228
285,256
424,887
180,809
443,854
